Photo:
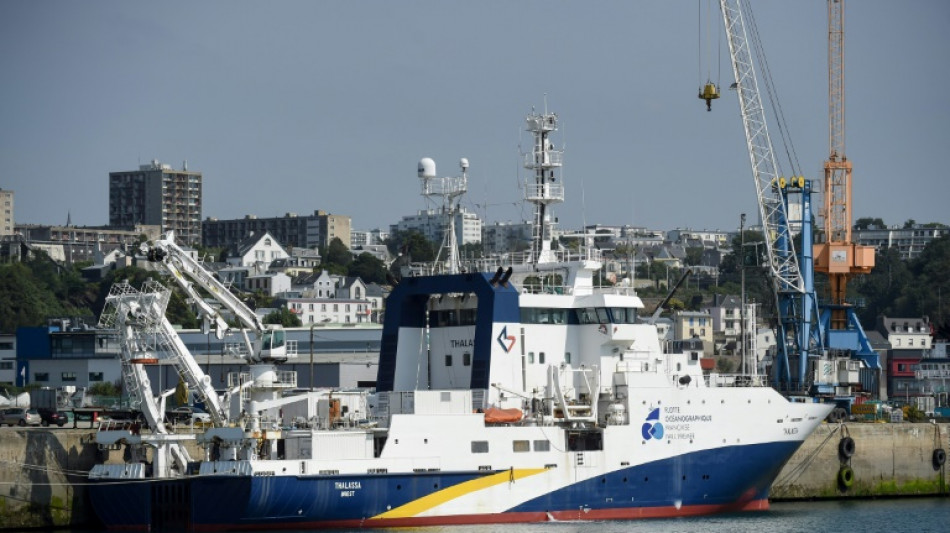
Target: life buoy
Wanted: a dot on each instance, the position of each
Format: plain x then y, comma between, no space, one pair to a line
939,458
846,448
845,477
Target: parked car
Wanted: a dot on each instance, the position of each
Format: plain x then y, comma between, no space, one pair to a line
19,416
49,417
187,414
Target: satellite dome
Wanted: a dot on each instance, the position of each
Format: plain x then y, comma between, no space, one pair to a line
426,168
464,163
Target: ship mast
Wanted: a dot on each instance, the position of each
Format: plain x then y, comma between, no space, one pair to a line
545,186
449,190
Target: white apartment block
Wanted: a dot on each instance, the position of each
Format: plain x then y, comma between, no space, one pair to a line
432,224
331,310
909,242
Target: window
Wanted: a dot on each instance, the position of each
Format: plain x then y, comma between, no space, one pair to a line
479,446
6,365
347,308
95,376
323,307
531,357
910,342
448,360
541,358
542,445
336,307
520,446
567,357
467,359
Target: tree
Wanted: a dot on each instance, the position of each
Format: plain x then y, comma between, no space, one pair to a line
338,253
867,222
368,268
724,365
284,317
411,245
694,255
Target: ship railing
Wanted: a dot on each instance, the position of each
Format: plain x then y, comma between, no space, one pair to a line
527,257
543,159
543,192
735,380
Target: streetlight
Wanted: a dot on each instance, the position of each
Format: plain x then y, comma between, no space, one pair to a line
742,289
312,324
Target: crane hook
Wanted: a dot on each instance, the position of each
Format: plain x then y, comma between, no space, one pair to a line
709,92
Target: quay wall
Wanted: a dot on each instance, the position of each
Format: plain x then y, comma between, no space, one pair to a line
888,460
43,471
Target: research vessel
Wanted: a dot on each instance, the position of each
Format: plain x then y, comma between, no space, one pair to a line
511,389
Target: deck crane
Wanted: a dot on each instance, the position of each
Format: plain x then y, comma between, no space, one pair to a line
798,337
144,334
838,256
186,271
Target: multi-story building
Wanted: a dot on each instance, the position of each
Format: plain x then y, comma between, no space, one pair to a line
707,238
910,339
727,322
290,230
432,223
62,354
368,238
504,237
6,212
156,194
908,241
694,324
81,243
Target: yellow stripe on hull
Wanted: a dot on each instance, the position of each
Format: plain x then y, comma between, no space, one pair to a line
435,499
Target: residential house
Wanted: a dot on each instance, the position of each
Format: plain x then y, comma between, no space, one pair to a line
690,324
270,283
301,262
257,252
910,339
316,285
329,310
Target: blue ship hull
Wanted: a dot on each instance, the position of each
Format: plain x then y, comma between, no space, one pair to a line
729,478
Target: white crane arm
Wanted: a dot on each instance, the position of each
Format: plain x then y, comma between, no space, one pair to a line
783,262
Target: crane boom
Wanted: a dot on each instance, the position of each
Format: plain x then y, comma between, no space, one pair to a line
783,262
838,256
186,271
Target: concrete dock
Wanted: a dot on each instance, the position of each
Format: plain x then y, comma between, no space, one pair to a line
43,471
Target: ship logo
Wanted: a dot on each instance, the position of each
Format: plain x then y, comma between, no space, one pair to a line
652,428
506,341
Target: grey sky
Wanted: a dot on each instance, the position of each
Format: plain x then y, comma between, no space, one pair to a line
295,106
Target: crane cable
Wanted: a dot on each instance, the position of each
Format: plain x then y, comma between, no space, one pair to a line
773,96
699,44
